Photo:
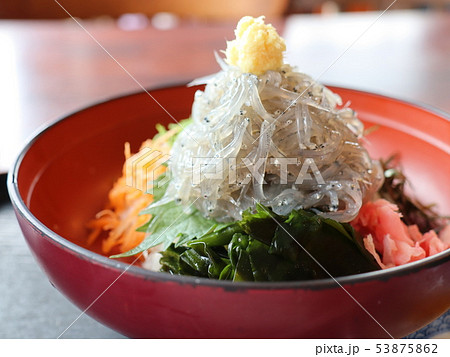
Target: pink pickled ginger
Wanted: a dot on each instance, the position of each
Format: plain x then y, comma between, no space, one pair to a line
391,241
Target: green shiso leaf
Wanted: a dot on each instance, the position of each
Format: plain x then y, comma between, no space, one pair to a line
171,221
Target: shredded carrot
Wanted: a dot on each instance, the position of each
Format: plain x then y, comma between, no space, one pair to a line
118,222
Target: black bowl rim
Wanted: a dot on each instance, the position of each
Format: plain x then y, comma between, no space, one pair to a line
138,272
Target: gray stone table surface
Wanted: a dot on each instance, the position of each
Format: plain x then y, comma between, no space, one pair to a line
29,305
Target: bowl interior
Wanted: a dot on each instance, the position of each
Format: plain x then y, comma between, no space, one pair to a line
68,169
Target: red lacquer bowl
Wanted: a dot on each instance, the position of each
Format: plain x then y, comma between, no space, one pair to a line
61,180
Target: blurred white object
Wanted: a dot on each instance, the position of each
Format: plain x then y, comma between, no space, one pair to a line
165,21
133,22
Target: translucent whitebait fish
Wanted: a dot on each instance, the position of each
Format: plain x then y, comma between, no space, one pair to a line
246,129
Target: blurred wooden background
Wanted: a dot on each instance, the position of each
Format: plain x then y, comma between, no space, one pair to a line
206,10
317,6
202,9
